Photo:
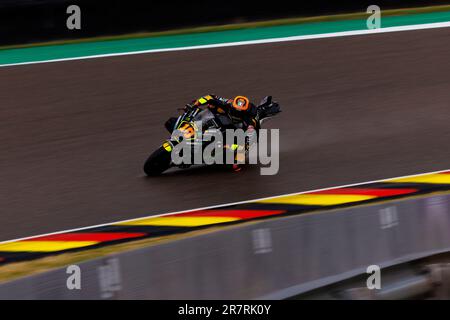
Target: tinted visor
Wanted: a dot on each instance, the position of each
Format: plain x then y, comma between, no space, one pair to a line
241,103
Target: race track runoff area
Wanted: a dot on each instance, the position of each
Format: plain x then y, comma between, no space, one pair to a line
183,222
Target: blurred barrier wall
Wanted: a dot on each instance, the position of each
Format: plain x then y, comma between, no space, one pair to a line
24,21
276,258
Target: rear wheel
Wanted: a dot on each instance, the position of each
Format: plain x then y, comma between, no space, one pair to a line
158,162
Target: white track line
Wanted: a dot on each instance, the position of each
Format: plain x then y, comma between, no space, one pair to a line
221,205
252,42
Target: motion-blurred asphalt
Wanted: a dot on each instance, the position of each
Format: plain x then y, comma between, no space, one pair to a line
74,135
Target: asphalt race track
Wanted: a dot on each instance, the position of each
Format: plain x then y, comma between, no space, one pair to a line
74,135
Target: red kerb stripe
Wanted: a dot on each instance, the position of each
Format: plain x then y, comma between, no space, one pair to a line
98,236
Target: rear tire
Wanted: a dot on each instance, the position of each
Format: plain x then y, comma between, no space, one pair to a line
158,162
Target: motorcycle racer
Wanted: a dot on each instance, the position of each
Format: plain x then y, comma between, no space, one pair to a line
236,113
239,110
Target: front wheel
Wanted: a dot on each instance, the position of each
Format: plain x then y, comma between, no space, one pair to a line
158,162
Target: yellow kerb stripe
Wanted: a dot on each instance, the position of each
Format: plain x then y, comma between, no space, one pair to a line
319,199
44,246
429,178
178,221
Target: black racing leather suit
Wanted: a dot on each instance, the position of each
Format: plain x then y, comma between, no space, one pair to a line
223,106
225,112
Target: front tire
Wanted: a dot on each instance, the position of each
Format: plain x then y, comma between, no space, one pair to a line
158,162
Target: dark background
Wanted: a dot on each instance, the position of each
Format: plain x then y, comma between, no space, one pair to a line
24,21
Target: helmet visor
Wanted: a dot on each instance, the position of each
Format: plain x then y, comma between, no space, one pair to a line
241,103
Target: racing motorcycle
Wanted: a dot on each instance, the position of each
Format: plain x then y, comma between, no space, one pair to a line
187,125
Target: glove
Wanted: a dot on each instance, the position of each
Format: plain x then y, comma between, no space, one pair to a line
271,109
